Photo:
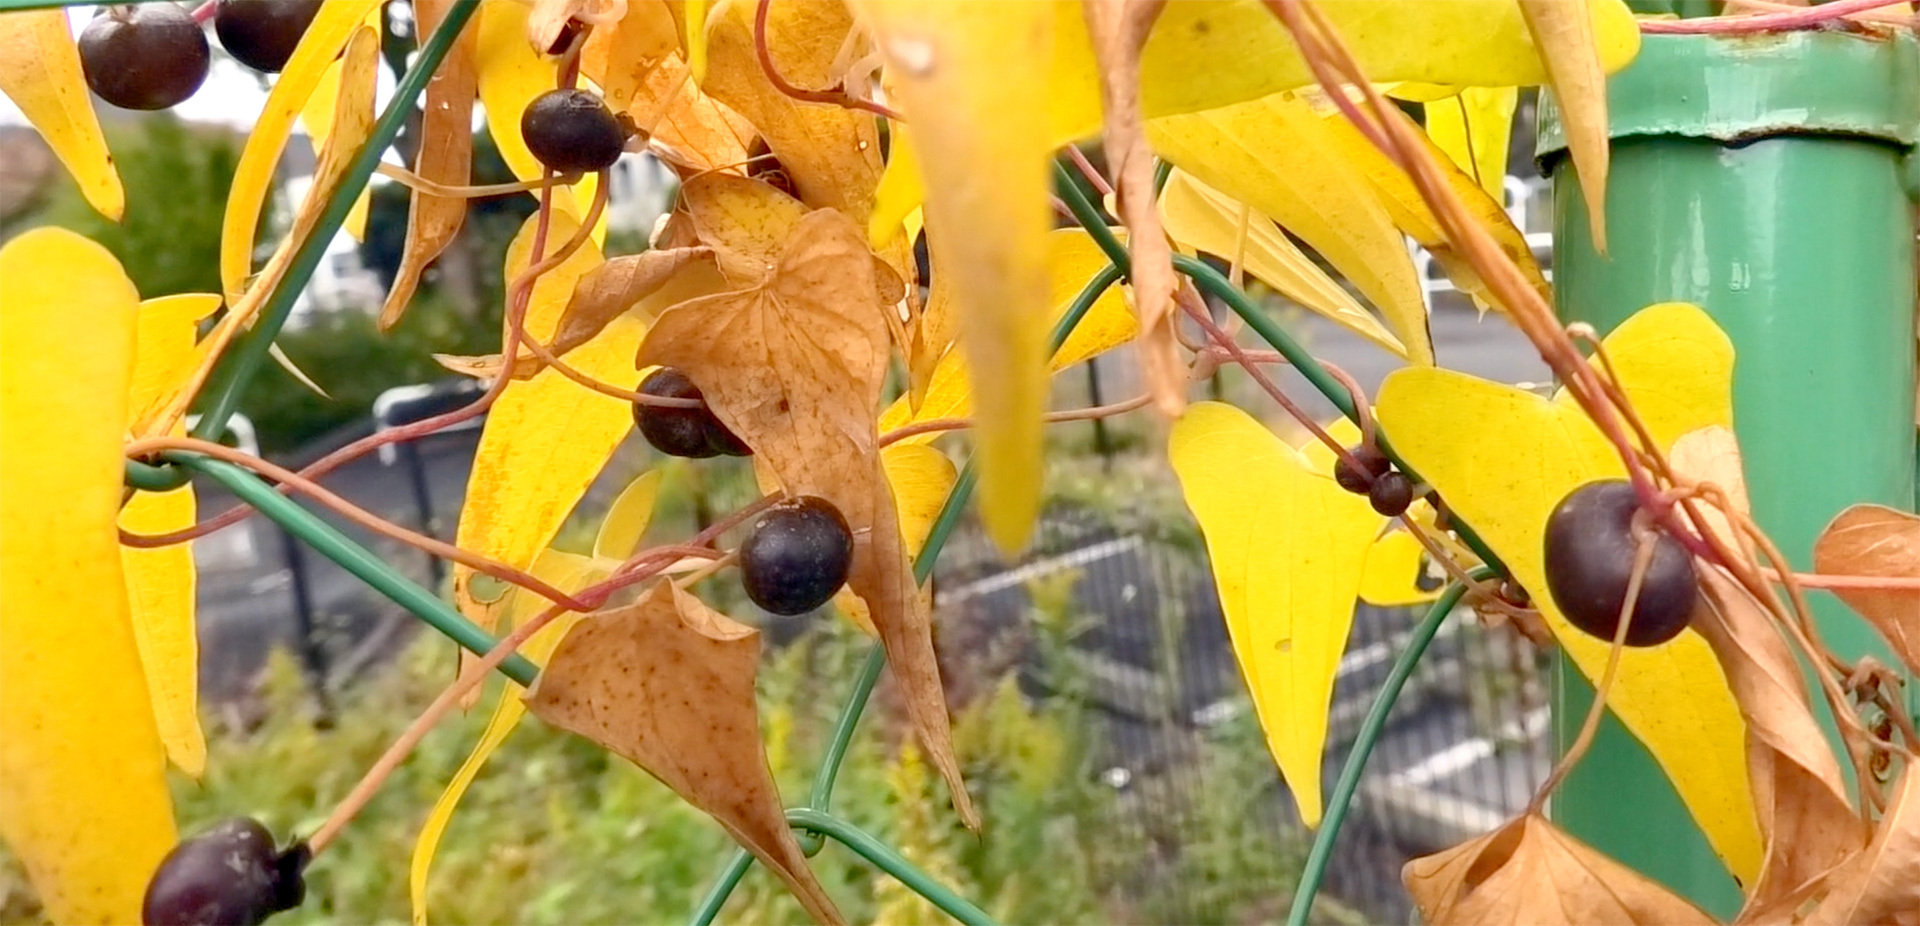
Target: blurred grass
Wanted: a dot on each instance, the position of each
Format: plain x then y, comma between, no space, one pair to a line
556,831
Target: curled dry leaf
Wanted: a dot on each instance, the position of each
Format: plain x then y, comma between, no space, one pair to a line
1874,540
795,366
1119,28
1882,884
1529,871
446,155
1572,50
747,224
1798,791
1711,456
612,289
667,683
620,57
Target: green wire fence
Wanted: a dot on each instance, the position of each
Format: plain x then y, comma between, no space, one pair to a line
814,820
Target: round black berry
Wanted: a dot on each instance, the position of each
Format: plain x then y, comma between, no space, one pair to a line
228,874
572,131
797,556
1371,460
683,432
1589,559
144,56
262,34
1391,493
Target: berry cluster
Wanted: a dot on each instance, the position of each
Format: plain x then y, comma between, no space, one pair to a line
1388,490
154,55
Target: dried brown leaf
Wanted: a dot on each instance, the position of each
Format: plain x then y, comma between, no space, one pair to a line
747,223
1119,28
1563,31
668,684
1882,884
1874,540
831,153
1798,789
795,367
621,58
615,288
446,155
1529,872
687,127
1711,456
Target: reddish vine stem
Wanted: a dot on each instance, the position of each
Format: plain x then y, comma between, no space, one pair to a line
1072,414
1079,158
1361,407
354,513
1808,18
836,95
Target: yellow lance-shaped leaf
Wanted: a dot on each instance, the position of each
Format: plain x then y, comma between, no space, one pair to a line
325,38
511,75
1574,53
901,193
1287,546
1276,155
1392,578
318,116
1201,218
160,581
83,791
1474,128
1463,43
568,572
547,437
1072,260
40,73
694,27
1519,457
968,75
627,518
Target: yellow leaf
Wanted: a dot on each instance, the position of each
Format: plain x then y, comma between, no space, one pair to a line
83,794
1410,213
961,67
568,572
167,352
328,34
1392,577
511,75
40,73
920,477
1474,128
1072,260
1287,547
627,518
317,117
160,590
547,437
1519,457
1575,54
1467,43
1276,155
900,194
696,37
1201,218
620,58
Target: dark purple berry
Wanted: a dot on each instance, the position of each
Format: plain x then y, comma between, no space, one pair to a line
1372,461
797,556
572,131
144,56
1390,494
1589,558
262,34
679,432
226,875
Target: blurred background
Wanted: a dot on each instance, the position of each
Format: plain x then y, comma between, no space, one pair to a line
1103,725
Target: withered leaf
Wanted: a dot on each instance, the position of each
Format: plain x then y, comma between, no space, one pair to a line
1798,791
621,58
748,222
795,367
1882,884
1711,456
1529,871
446,154
831,153
1119,28
615,287
667,683
686,127
1874,540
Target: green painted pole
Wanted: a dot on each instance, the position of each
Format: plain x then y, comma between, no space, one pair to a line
1768,180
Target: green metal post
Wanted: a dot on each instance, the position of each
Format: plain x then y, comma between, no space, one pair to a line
1764,178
